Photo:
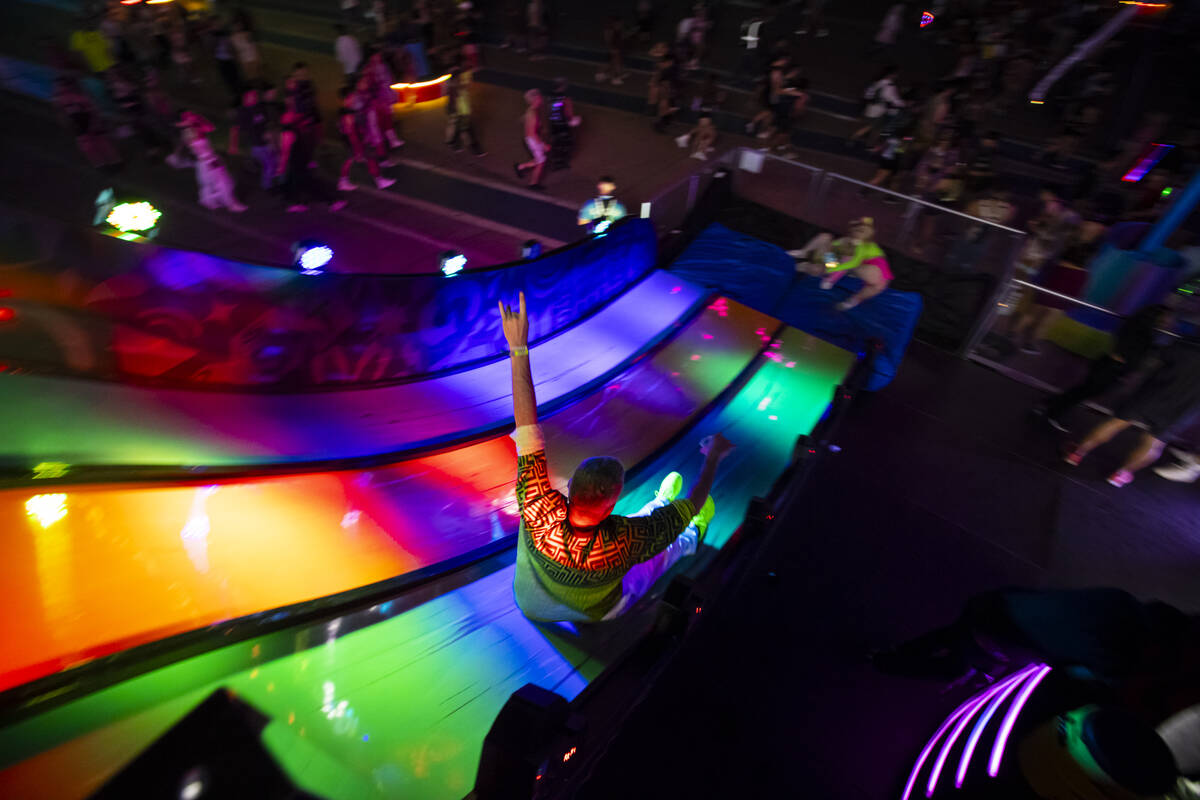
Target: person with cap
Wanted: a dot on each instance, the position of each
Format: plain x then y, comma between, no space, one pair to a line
603,210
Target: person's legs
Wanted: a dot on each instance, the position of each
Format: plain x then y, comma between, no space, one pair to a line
1148,451
1101,434
265,156
873,283
1102,375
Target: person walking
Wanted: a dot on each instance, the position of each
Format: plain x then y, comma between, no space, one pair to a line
383,97
880,97
535,141
301,186
460,131
348,51
1164,407
563,122
85,123
352,125
251,128
576,560
213,181
246,50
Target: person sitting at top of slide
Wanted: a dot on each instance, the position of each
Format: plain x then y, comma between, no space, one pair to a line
830,259
576,560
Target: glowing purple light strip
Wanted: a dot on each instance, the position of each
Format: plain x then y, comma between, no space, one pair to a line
979,699
1147,163
950,720
977,731
1010,719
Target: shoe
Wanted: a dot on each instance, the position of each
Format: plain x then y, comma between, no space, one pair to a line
702,518
1073,458
297,208
517,169
1121,477
762,135
238,208
670,487
346,185
1187,471
337,205
801,32
618,82
394,141
389,162
1058,426
821,34
382,182
699,154
601,77
481,154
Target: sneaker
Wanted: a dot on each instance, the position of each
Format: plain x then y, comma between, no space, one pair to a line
670,487
382,182
703,517
394,141
1073,458
346,185
618,81
1121,477
237,208
337,205
699,154
1186,471
297,208
389,162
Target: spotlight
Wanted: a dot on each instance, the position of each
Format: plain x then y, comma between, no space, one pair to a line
452,263
531,249
136,217
311,256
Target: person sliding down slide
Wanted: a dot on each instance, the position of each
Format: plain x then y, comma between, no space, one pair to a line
576,560
857,254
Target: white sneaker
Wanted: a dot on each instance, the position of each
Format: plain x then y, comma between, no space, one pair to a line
382,182
237,208
337,205
617,81
346,185
699,154
1186,471
394,140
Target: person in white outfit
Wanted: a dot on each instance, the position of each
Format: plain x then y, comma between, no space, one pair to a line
347,50
212,179
882,98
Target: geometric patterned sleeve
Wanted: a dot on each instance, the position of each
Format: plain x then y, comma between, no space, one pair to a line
542,508
648,536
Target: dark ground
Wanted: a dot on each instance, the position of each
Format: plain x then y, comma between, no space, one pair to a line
942,489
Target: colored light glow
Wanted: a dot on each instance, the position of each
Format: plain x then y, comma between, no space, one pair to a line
453,264
602,225
50,469
46,509
939,764
927,18
1143,4
1147,162
1010,719
1167,192
933,740
195,788
421,84
976,732
313,259
133,217
7,314
1037,102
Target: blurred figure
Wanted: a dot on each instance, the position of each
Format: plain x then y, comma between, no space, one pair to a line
604,209
814,19
347,50
460,131
889,31
535,141
1133,344
213,181
79,112
1186,468
352,124
246,49
563,122
302,95
701,140
226,60
614,41
1165,406
383,96
880,97
301,186
251,128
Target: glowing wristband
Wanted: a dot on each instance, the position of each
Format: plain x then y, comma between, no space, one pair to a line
519,351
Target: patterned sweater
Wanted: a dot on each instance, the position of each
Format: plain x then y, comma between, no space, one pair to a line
561,569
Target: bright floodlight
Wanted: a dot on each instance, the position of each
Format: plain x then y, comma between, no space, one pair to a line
312,256
452,263
136,217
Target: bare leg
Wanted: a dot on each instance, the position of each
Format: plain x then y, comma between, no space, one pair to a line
873,284
1101,434
1148,451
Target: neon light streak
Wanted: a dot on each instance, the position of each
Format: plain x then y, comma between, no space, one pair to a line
964,720
1010,719
950,720
47,509
422,84
1147,162
977,731
1037,102
927,18
1135,3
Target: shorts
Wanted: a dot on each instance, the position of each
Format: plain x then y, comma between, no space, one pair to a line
536,149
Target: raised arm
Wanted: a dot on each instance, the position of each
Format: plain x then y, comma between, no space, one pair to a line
715,448
516,333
